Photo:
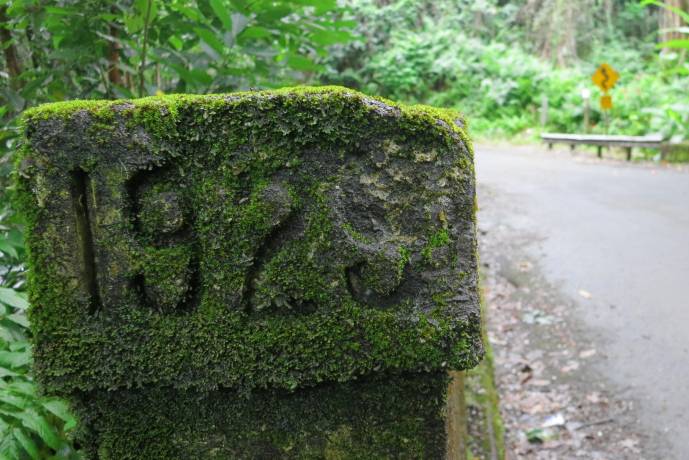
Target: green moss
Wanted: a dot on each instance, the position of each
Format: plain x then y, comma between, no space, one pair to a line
405,258
167,272
373,418
233,206
439,239
294,274
228,232
157,113
63,110
351,231
486,429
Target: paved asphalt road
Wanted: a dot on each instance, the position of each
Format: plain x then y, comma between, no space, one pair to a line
621,233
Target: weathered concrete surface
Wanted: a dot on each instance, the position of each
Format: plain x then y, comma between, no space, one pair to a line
619,233
279,274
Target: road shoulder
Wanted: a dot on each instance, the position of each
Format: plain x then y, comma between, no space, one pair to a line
554,402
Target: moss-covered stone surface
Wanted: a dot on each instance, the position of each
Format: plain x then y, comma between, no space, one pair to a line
218,251
373,418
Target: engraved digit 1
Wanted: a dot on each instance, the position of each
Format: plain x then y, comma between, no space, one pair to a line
80,186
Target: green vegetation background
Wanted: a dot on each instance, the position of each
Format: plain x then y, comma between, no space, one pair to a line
493,60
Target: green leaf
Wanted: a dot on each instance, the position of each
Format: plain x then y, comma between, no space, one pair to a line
133,23
255,32
15,359
10,449
7,373
142,7
11,331
15,400
191,13
674,44
24,387
15,238
61,11
19,345
176,42
8,249
222,12
322,6
210,39
13,298
37,423
194,76
345,23
304,64
330,37
27,443
20,319
273,12
60,409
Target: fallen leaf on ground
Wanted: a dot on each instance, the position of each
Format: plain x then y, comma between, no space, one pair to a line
587,353
571,366
594,398
554,420
536,403
525,266
630,444
584,294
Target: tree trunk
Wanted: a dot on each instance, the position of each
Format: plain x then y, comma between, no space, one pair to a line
14,68
114,74
567,43
554,27
668,20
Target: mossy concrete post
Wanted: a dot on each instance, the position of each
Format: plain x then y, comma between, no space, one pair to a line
285,274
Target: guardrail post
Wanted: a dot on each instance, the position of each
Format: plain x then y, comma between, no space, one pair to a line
544,110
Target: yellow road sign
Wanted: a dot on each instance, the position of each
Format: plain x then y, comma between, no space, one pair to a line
606,102
605,77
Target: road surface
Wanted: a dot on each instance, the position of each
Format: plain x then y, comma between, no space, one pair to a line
615,238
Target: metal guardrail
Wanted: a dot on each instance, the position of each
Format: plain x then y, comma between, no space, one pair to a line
654,141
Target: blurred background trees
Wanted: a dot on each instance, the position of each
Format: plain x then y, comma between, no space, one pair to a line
494,60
